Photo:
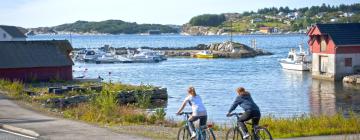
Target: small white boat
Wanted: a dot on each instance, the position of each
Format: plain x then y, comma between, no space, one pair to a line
147,56
300,61
112,58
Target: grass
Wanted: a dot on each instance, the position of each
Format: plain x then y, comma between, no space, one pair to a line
311,125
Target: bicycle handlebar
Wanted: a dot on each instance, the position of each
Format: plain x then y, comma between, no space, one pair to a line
235,114
185,113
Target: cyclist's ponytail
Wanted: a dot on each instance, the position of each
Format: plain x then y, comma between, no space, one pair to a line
192,91
242,91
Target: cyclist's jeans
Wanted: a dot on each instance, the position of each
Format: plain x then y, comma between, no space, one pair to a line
254,115
202,122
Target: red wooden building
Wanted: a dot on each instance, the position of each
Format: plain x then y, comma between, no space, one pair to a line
335,50
35,60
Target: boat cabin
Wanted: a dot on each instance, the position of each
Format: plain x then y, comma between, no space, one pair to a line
335,50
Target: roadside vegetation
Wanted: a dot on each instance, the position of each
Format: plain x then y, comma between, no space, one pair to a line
104,109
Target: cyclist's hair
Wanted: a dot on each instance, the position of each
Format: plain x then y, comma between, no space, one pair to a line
192,91
242,91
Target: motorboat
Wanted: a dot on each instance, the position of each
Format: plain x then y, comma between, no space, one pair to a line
92,55
204,54
300,61
112,58
147,56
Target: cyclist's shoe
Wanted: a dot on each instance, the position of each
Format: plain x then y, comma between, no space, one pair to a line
193,135
246,135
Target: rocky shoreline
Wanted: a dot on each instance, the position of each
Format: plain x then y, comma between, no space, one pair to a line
68,96
352,79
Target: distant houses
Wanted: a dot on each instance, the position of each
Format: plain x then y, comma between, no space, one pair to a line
267,30
335,50
11,33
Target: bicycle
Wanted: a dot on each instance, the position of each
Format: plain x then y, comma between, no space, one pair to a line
257,132
202,133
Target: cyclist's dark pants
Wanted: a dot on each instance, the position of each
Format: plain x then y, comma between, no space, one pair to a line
202,122
253,115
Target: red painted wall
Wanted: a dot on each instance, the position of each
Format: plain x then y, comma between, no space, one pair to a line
38,74
348,49
315,45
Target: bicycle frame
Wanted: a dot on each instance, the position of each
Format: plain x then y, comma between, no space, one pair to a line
198,131
252,130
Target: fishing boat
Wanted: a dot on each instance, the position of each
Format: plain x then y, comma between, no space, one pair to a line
204,54
300,61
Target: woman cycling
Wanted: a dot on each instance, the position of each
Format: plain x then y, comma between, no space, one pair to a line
198,110
252,111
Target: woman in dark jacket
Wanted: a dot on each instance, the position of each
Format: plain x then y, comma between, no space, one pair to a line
252,111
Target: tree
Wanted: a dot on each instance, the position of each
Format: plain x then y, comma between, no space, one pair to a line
207,20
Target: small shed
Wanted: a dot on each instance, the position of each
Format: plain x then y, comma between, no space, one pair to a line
11,33
335,50
35,60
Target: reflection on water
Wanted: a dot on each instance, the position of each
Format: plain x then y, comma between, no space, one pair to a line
328,97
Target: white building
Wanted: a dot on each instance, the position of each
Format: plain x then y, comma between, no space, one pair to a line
11,33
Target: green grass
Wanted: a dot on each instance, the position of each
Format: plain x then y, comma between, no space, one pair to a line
310,125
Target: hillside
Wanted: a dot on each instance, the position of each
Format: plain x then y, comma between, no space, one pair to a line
271,20
105,27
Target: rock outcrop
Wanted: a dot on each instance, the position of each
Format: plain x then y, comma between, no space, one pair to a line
158,97
201,30
352,79
221,50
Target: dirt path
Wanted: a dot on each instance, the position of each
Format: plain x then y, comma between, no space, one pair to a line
55,128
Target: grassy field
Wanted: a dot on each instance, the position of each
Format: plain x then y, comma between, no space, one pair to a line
104,110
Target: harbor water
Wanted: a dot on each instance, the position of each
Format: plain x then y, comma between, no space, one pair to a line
278,92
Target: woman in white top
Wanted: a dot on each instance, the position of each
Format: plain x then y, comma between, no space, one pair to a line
198,110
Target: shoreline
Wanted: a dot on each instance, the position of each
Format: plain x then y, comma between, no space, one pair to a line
167,34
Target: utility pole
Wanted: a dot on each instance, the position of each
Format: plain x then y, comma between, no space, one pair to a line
231,32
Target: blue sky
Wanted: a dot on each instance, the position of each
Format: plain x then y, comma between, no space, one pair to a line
36,13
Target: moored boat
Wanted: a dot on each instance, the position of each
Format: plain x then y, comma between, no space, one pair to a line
296,60
204,54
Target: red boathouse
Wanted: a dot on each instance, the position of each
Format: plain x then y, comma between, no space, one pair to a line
35,60
335,50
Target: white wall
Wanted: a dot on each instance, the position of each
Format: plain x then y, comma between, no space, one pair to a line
8,37
330,75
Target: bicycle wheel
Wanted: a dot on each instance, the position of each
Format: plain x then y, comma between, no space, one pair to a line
208,134
262,134
183,134
233,134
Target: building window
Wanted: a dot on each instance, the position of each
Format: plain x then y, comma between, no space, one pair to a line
4,35
348,62
323,46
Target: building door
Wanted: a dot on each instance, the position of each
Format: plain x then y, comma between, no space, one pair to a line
324,61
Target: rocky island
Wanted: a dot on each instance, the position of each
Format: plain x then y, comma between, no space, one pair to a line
226,49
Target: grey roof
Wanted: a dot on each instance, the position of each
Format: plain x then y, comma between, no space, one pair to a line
30,54
343,34
13,31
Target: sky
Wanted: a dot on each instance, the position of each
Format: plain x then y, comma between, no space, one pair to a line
42,13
